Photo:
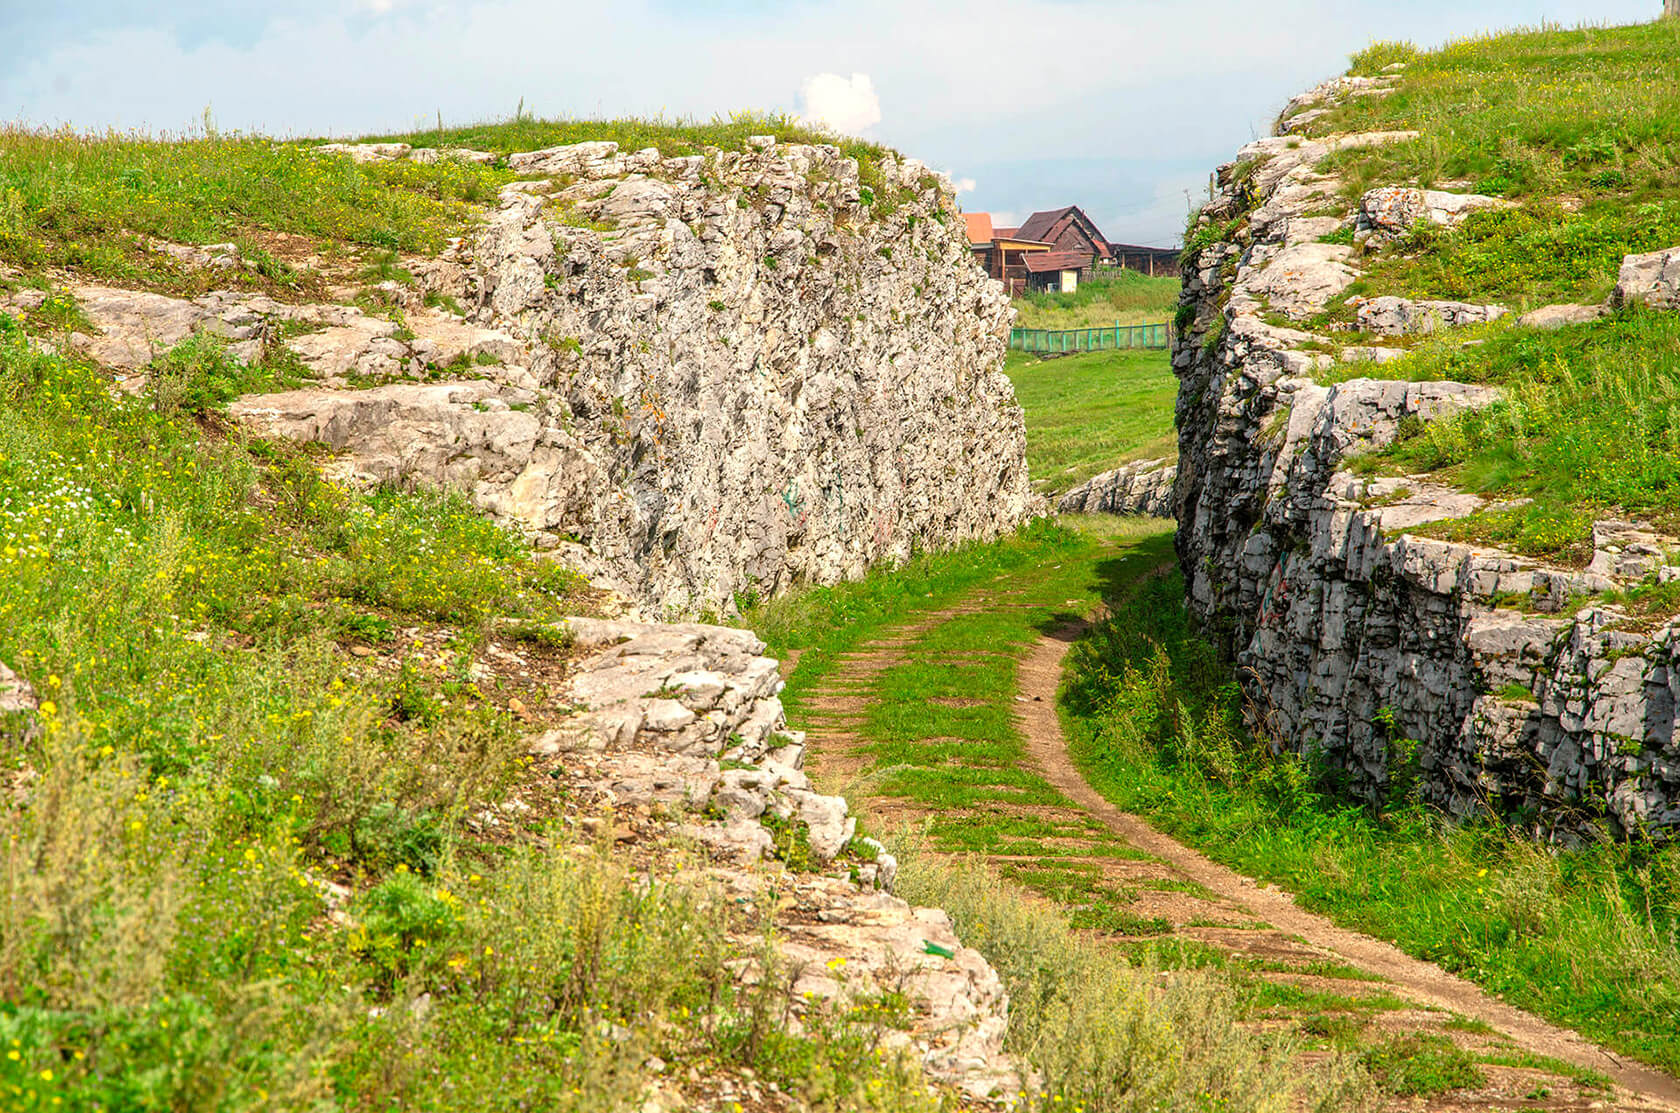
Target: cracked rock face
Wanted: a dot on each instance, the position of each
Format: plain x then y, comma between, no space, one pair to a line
1392,211
1652,279
1144,487
731,372
660,711
1349,631
1392,316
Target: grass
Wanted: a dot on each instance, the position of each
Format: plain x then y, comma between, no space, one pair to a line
1106,1031
1588,938
86,201
1417,1065
1092,412
1588,429
239,863
672,138
1581,130
1128,298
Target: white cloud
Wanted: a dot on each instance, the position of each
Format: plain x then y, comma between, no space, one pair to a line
964,185
848,107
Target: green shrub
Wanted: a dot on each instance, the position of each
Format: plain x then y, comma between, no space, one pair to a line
1417,1064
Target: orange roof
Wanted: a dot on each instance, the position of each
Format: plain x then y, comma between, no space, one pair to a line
979,227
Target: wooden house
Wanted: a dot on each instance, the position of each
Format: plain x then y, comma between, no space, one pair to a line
1069,231
1056,250
1002,254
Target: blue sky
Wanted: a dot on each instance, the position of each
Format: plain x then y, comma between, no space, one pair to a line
1121,106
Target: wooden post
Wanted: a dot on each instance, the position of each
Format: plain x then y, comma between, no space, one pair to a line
1671,7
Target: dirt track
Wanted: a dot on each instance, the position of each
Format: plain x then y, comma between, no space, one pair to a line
1418,981
1260,927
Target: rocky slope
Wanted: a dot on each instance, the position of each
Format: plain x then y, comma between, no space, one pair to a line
693,378
1353,636
678,735
713,375
1144,487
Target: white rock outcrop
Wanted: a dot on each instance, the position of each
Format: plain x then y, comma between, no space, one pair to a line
1652,279
733,372
681,723
1392,211
1393,316
1350,632
1144,487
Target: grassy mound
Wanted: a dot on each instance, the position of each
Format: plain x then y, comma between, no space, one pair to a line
1586,938
90,202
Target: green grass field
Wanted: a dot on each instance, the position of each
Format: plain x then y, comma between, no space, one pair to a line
1127,298
1092,412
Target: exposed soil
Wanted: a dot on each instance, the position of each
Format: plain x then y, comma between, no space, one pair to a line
1160,887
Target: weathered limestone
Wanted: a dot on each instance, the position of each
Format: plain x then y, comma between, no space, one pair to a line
1652,279
1348,631
1144,487
1392,211
1561,316
660,711
1392,316
740,371
1301,279
395,152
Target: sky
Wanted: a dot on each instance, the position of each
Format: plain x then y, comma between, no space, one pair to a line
1119,106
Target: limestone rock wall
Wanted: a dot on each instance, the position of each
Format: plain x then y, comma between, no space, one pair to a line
734,371
678,730
1144,487
1350,633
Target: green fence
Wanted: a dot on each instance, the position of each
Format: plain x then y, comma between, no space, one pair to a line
1056,341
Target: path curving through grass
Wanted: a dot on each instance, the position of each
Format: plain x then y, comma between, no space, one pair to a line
940,721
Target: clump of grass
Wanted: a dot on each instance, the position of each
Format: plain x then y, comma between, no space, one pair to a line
1103,1032
1587,429
84,200
1417,1064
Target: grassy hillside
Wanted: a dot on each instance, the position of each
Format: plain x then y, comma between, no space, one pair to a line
1581,129
1127,298
90,202
272,838
1089,413
1586,938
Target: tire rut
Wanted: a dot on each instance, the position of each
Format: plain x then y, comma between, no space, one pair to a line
1413,979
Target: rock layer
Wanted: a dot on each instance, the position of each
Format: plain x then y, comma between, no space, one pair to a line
739,371
682,721
1354,638
1144,487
